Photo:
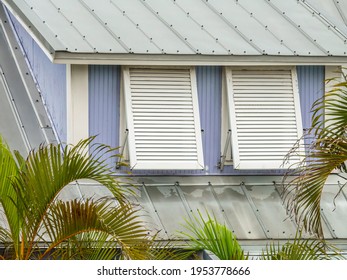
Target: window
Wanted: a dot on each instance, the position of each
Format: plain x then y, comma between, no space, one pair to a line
162,116
264,119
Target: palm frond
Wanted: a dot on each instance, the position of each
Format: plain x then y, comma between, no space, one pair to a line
167,250
328,152
301,249
215,237
8,196
52,167
112,225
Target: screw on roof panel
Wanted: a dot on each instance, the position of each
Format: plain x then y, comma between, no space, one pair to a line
326,21
308,37
104,24
235,27
178,35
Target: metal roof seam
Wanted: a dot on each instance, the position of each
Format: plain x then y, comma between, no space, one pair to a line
137,26
202,27
329,226
325,21
255,210
243,36
14,109
73,26
29,80
266,28
338,7
46,46
221,207
170,27
154,209
283,14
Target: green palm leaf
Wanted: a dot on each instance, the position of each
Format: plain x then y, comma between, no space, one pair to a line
41,226
300,249
215,237
78,223
8,198
327,153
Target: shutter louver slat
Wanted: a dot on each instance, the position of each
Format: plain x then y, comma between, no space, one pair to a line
164,129
264,116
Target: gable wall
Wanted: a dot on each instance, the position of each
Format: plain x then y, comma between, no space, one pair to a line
50,78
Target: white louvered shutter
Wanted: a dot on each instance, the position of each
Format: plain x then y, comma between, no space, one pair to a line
264,116
163,118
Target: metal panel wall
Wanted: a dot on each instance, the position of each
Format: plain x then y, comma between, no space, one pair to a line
50,79
311,88
104,86
104,97
209,82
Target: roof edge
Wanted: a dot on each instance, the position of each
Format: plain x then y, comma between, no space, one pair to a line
15,11
63,57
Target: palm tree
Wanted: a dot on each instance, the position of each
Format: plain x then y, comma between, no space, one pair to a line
328,152
208,234
39,225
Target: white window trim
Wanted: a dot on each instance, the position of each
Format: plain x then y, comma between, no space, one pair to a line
77,103
228,111
127,125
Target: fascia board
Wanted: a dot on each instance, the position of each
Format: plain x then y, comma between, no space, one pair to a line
63,57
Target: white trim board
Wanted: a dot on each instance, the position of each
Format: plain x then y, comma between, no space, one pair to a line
77,103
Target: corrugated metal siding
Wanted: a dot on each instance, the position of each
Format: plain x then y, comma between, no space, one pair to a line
50,78
104,97
209,83
311,88
104,88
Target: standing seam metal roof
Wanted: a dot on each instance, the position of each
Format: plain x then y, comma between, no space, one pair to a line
206,27
252,207
24,123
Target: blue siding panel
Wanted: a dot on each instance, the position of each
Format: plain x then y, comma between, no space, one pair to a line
311,88
209,83
104,97
50,79
104,88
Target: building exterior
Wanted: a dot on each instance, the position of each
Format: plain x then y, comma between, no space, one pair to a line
204,98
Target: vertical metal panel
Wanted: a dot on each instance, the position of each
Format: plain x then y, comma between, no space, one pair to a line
209,83
104,96
311,88
50,79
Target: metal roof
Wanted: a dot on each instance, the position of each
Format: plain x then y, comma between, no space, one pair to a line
251,206
84,29
24,123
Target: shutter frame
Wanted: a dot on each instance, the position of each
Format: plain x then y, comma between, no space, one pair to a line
260,157
144,152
